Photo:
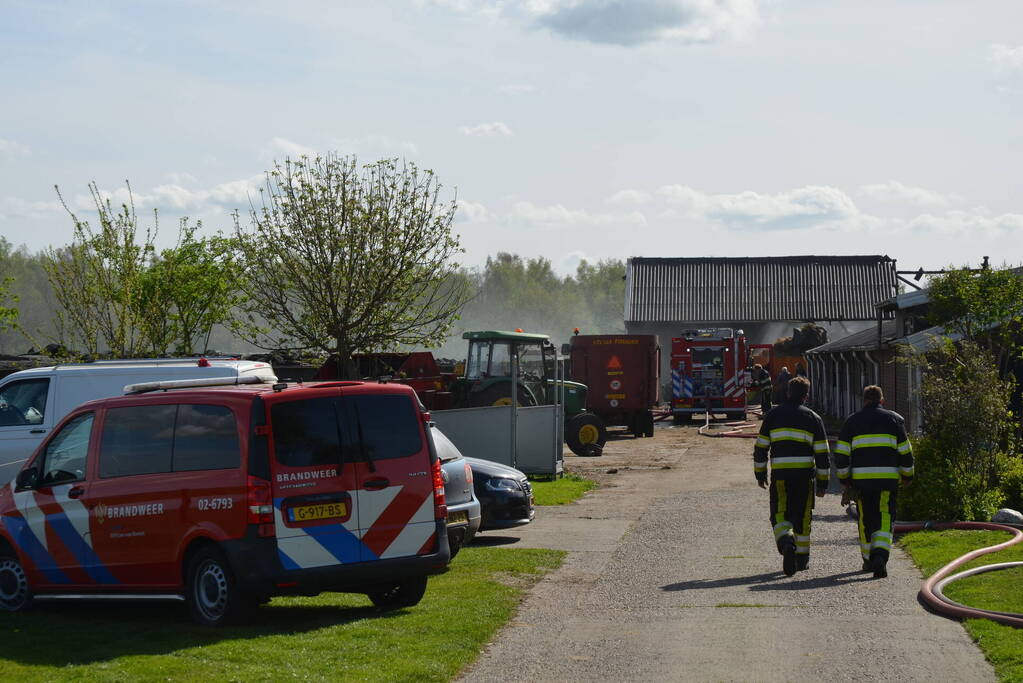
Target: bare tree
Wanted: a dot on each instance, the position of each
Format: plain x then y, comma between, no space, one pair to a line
341,258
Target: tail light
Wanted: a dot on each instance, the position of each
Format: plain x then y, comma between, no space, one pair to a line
260,502
468,473
440,506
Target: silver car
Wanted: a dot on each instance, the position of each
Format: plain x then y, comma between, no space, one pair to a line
463,507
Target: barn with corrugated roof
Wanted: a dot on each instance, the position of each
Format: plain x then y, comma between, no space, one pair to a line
763,295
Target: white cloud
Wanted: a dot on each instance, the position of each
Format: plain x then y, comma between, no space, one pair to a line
471,212
234,194
558,216
375,146
10,149
622,22
799,208
486,130
894,191
630,197
16,207
634,22
973,224
516,89
282,147
1006,59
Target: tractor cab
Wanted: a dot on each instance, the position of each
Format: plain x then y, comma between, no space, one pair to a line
495,356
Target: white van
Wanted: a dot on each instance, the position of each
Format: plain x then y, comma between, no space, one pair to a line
33,401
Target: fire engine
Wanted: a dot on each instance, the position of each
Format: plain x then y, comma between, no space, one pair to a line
709,373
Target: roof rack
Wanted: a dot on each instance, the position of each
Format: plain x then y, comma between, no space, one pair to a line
156,361
144,387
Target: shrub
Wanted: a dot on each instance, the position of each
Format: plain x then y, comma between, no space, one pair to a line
968,429
942,490
1011,482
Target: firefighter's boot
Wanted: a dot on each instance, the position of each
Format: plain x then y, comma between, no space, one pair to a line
802,562
788,557
878,562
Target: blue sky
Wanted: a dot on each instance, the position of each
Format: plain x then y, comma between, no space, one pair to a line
570,128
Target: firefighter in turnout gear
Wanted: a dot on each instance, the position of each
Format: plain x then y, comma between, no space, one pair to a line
798,445
872,455
760,379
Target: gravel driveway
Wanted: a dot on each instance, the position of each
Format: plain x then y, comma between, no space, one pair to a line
672,574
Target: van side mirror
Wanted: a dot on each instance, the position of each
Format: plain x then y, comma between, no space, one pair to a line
27,478
566,349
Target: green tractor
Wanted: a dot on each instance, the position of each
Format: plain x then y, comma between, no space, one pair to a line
496,358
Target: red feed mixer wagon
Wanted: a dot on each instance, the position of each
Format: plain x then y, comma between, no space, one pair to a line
621,371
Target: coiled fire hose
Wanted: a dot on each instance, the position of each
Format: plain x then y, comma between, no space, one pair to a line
931,593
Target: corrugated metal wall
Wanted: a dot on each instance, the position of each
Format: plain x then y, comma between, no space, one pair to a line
761,289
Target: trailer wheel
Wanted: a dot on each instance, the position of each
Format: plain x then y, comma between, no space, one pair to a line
585,434
648,424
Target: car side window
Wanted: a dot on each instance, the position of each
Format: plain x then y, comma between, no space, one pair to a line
23,402
137,440
205,438
66,453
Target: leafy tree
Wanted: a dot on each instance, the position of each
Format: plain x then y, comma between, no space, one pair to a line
29,287
968,442
341,258
602,287
8,314
196,284
985,307
115,294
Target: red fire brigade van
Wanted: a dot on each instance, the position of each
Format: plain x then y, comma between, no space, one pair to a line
709,373
227,495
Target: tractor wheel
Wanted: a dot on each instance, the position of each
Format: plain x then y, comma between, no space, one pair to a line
585,434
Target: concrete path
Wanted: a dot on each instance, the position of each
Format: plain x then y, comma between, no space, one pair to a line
672,575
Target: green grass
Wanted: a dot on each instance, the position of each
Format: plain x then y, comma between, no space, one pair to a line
740,604
329,637
567,489
999,590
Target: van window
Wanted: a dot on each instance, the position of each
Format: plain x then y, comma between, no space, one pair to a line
205,438
305,433
388,425
137,440
23,402
65,455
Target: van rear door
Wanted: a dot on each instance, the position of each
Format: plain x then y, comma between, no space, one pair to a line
386,435
316,513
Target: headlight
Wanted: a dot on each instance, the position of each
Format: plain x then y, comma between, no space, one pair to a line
501,484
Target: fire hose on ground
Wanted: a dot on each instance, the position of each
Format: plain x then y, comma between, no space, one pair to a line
932,592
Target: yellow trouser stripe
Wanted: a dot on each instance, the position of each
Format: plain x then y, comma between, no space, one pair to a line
886,516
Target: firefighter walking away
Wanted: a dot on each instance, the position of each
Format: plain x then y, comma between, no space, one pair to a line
793,440
872,455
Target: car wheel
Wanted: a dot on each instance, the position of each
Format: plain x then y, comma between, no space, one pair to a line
455,537
406,593
585,434
212,594
15,593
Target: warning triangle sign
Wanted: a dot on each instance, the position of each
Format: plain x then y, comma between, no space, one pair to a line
614,363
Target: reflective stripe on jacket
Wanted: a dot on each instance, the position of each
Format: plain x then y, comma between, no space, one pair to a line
873,446
793,440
